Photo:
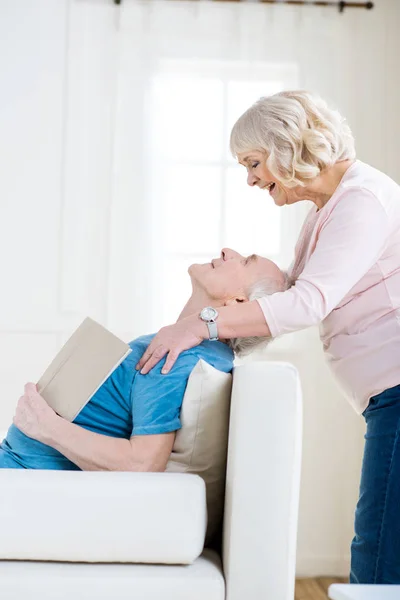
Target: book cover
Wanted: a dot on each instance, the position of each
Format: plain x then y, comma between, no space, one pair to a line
81,367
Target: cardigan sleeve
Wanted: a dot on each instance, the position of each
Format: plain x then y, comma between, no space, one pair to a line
349,244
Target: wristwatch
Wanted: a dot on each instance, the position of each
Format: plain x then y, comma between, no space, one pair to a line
209,316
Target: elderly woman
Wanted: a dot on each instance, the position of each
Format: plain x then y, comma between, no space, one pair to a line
347,280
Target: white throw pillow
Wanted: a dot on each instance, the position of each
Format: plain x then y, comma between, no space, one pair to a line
201,444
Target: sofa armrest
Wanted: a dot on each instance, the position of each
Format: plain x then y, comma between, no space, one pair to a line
263,481
101,517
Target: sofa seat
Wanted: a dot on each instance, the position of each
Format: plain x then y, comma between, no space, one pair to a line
203,580
71,516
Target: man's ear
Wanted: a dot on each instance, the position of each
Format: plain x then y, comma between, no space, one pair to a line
235,300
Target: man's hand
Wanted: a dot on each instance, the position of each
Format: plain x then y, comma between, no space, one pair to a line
173,340
33,415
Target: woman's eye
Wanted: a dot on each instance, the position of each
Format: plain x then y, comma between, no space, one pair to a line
255,165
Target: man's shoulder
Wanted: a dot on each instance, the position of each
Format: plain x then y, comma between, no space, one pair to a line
217,354
142,341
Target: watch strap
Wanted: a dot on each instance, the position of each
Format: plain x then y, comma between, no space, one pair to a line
212,330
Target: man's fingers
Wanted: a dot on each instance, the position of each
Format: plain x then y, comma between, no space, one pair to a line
30,388
169,363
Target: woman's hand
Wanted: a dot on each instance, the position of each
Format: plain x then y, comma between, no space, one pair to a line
173,340
33,415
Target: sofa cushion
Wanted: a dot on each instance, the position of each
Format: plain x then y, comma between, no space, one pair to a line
203,580
201,444
101,517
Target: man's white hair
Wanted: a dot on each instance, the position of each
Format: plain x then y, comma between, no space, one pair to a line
263,287
299,132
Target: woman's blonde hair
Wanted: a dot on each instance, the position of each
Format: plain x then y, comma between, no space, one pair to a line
298,131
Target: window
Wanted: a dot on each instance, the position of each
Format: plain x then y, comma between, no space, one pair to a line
201,200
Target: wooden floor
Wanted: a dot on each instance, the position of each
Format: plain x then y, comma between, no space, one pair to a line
315,589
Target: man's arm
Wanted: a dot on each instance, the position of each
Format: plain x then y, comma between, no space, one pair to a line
94,452
90,451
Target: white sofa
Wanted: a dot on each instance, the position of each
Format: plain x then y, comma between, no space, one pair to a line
53,525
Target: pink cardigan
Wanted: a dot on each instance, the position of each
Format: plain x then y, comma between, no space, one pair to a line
347,281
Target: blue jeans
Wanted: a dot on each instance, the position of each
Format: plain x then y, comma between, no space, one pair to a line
375,550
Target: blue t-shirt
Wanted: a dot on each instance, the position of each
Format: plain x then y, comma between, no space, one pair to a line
127,404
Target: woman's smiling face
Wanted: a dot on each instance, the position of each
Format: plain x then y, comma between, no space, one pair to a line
259,175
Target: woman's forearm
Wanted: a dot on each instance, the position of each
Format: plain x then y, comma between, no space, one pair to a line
239,320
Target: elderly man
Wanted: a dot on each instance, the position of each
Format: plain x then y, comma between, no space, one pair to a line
130,422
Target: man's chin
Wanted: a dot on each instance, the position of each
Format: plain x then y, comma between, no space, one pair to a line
193,269
196,273
199,268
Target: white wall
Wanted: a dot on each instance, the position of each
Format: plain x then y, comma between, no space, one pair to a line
32,117
50,232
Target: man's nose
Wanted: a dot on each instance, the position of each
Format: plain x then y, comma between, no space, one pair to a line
228,254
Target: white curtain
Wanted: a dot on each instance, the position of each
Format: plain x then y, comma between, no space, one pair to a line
186,71
116,174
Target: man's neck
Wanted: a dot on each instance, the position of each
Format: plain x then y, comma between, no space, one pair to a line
197,301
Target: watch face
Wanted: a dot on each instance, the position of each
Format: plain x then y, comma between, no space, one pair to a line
209,313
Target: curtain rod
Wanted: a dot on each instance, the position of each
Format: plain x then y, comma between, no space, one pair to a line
340,5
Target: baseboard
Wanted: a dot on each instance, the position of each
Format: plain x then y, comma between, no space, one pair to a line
320,566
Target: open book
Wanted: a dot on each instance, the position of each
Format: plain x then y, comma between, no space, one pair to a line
80,368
